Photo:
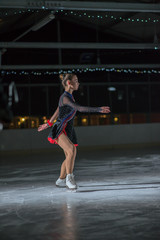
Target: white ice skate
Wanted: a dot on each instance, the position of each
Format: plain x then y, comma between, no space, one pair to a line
61,182
74,182
70,182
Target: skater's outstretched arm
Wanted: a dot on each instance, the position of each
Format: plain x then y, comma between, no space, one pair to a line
70,102
52,119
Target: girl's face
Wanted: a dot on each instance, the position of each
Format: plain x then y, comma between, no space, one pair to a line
75,83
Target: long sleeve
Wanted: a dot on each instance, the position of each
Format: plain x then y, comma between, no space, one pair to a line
71,103
55,115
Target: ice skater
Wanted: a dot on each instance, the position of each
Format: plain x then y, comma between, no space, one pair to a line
63,133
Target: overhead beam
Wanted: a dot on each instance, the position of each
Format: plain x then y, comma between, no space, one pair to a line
78,5
42,22
75,45
79,66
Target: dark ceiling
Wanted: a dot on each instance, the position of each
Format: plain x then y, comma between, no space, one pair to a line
139,31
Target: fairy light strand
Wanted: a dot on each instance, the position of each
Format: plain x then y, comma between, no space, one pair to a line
86,14
43,73
107,16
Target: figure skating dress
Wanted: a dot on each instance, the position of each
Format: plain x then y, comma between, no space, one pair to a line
64,123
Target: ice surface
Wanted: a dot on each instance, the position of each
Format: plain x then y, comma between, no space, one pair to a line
118,196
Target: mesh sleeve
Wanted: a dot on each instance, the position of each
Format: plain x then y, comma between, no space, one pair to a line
71,103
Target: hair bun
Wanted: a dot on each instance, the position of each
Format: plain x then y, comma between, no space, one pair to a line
61,76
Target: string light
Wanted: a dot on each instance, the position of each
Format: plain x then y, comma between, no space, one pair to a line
107,16
19,12
86,14
83,70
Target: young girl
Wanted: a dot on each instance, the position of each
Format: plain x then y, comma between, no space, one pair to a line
62,132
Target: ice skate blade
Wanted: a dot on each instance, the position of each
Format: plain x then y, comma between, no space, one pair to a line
71,189
60,186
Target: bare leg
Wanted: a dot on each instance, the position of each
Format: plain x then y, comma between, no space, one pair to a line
73,159
63,168
70,150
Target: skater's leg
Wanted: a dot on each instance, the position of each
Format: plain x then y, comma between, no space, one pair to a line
68,147
70,150
63,168
61,181
73,159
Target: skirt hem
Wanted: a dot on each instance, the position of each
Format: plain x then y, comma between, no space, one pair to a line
54,141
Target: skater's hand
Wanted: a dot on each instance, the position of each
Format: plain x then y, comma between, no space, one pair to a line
42,127
105,109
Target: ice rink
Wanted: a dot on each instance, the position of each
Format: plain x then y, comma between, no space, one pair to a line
118,196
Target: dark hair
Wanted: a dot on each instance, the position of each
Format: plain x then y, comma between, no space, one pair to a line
65,77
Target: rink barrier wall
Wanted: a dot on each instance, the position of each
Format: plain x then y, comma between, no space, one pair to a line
112,136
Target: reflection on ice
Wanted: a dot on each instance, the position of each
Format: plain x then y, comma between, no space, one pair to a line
117,198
